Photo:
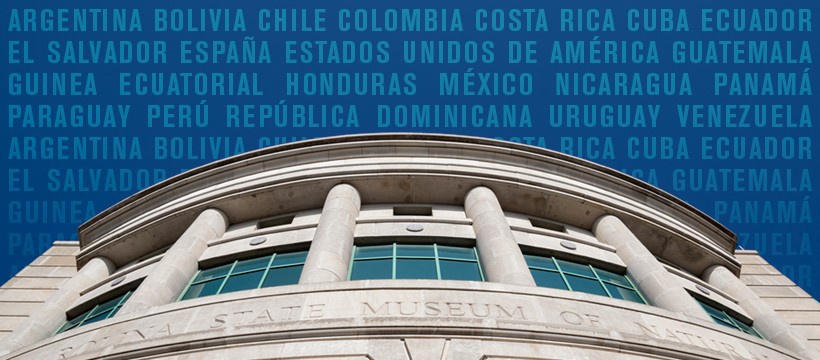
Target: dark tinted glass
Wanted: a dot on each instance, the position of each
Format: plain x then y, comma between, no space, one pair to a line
613,277
623,293
372,269
582,284
415,250
283,276
541,262
101,316
416,269
251,264
453,252
549,279
289,258
202,289
244,281
364,252
573,268
459,270
211,273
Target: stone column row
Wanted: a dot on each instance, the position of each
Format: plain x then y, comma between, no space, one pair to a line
650,276
329,257
766,321
662,289
162,285
51,315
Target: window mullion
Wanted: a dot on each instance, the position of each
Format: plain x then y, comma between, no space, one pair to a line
393,267
87,314
118,305
563,276
478,263
225,279
267,269
732,320
598,278
436,259
634,287
350,266
187,287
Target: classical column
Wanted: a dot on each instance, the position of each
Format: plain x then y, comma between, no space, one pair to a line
498,251
655,283
168,278
766,321
49,316
329,256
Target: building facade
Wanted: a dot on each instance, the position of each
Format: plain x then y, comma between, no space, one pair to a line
404,246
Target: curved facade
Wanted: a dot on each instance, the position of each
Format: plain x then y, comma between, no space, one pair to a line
405,246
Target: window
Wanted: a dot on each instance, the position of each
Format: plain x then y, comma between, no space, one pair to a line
98,312
548,225
275,221
265,271
723,318
561,274
410,261
413,210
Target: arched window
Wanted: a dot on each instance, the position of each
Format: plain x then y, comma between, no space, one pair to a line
415,261
98,312
254,273
562,274
722,317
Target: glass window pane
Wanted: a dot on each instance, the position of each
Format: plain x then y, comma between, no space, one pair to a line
714,312
540,261
215,272
202,289
549,279
74,322
623,293
66,327
415,250
747,329
106,306
613,277
416,269
372,269
585,285
251,264
364,252
459,270
100,316
289,258
243,281
724,323
453,252
573,268
288,275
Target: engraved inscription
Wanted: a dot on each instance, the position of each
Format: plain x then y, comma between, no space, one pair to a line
442,308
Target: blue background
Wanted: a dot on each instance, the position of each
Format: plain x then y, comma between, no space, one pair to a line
793,257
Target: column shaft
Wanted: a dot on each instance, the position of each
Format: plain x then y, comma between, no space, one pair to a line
329,256
51,315
168,278
500,256
766,320
657,284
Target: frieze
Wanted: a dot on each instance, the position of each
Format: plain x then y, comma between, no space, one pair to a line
290,314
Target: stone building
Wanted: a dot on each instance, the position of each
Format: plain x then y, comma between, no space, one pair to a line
404,246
